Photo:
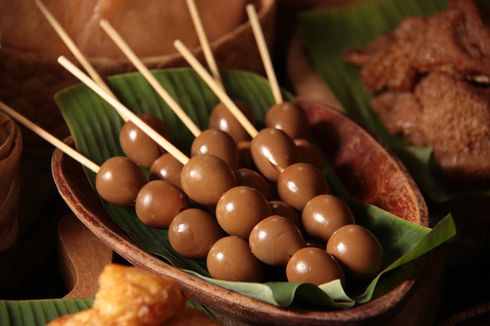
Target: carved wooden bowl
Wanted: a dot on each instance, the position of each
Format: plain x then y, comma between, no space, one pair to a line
30,79
366,168
10,154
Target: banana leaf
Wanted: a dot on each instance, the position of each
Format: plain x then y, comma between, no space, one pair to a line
39,312
329,33
95,127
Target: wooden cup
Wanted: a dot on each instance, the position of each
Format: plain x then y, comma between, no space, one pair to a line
10,151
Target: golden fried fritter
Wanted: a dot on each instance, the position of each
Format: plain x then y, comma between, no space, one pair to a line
133,296
130,296
88,317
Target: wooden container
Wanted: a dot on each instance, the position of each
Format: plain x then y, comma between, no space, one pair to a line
10,151
363,165
29,80
479,315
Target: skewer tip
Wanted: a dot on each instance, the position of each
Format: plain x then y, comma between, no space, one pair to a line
250,9
219,91
104,23
178,43
62,59
264,52
40,5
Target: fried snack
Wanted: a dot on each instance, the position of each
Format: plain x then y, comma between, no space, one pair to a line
129,296
84,318
387,61
450,115
455,41
431,80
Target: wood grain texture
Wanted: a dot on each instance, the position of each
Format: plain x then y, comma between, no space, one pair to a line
82,256
479,315
10,153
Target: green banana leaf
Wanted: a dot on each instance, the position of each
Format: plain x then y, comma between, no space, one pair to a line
39,312
95,127
329,33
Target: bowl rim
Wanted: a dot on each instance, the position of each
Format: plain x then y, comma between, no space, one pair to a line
267,7
226,301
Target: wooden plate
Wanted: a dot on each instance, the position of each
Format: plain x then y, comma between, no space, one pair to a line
364,166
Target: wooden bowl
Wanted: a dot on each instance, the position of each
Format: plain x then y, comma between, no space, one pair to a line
10,153
478,315
364,166
29,80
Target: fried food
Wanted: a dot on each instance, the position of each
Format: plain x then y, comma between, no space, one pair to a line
388,62
455,41
129,296
432,81
88,317
449,115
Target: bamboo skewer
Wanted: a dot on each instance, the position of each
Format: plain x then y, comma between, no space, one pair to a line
220,93
203,40
264,53
50,138
123,46
121,109
74,49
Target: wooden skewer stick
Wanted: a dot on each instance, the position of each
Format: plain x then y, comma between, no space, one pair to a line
264,53
116,37
74,49
220,93
203,40
121,109
50,138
